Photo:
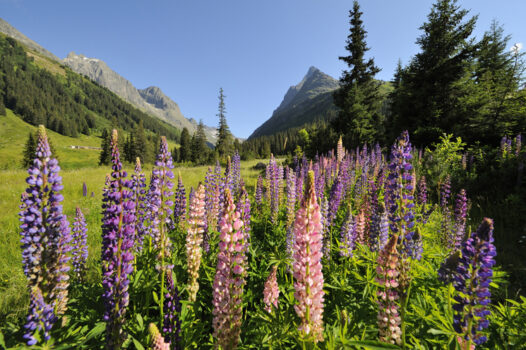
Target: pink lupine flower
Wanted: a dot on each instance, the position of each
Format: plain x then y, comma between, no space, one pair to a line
307,269
229,280
158,342
194,238
271,291
387,276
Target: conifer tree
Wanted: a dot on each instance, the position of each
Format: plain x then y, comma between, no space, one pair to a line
141,149
105,154
199,148
224,137
29,151
493,102
185,152
427,98
358,97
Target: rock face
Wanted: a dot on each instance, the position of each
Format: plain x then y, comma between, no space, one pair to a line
151,100
303,103
10,31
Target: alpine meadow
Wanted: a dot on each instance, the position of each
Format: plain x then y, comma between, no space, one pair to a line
363,213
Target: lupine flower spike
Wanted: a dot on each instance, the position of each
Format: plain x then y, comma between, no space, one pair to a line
45,242
271,291
117,248
194,238
307,268
172,307
79,245
471,282
387,276
229,280
158,342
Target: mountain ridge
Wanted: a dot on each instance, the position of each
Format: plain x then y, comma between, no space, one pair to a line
303,103
151,99
11,31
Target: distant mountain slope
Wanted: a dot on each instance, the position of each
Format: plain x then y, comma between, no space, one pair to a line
65,102
309,100
151,100
10,31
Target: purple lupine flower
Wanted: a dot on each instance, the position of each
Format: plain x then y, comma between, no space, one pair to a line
379,232
139,195
472,282
163,175
348,235
399,193
41,317
445,192
230,277
79,245
308,275
448,268
259,192
213,198
179,202
118,229
45,241
518,144
84,190
422,191
172,308
291,197
299,186
335,200
194,238
236,171
461,210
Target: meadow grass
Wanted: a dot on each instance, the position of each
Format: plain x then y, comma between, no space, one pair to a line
13,293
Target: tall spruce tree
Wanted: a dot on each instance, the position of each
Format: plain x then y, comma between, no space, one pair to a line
105,153
358,97
141,148
199,148
427,99
493,105
29,151
185,152
224,145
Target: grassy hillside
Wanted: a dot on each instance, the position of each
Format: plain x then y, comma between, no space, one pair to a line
13,135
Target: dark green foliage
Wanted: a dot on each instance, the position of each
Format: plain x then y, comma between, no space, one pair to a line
105,154
224,146
69,104
493,104
185,152
29,151
358,99
200,151
141,145
427,95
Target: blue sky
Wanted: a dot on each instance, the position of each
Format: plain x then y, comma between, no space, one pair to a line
253,49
